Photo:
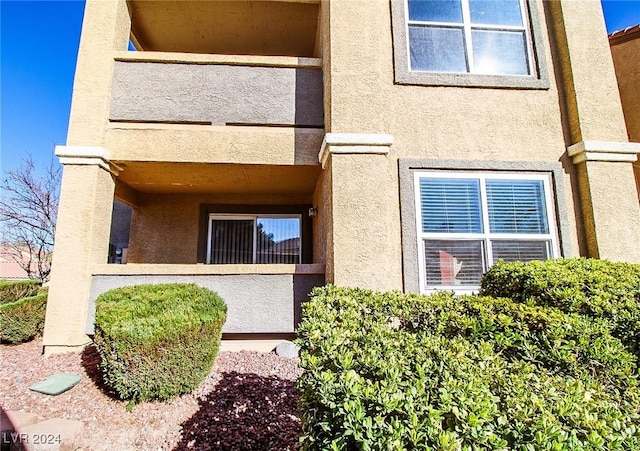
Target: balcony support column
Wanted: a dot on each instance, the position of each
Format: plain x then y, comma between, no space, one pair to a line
363,242
610,204
82,240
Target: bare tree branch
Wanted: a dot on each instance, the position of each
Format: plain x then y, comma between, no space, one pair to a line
28,215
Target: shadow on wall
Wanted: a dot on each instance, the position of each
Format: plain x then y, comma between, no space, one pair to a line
245,412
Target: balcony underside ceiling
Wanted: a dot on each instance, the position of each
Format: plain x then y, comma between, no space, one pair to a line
226,27
187,178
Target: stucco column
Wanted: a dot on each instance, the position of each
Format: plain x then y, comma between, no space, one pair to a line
105,31
82,240
610,204
595,131
593,108
365,247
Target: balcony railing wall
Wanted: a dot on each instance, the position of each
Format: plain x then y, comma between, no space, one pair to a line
271,92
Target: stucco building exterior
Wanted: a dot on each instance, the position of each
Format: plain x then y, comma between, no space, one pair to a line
625,50
266,147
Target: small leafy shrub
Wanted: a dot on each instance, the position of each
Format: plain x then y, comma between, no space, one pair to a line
22,320
157,341
595,288
404,371
12,290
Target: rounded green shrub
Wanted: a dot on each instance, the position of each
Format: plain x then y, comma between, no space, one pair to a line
23,319
13,290
157,341
591,287
404,371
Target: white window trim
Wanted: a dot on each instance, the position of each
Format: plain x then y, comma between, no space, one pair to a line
254,218
467,29
486,236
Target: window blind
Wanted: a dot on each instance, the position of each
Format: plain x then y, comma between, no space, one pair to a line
450,205
467,222
231,241
516,206
277,240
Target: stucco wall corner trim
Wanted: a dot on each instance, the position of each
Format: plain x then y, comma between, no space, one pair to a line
354,143
604,151
84,155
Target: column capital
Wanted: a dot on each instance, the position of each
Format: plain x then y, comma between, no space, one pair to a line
84,155
354,143
604,151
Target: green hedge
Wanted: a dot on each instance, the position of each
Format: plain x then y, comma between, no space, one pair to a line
13,290
595,288
22,320
157,341
403,371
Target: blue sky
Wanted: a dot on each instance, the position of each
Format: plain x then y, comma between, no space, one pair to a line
38,48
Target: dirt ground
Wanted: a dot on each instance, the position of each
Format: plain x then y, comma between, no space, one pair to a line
248,402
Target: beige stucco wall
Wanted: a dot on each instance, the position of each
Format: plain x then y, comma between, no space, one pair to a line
584,59
426,122
366,229
429,121
458,122
208,144
105,30
82,239
165,227
611,194
626,59
104,40
86,196
593,111
482,124
322,223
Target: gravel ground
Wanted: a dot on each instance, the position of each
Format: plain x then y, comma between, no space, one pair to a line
248,402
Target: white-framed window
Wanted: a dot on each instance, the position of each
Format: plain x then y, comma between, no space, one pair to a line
467,221
469,36
259,239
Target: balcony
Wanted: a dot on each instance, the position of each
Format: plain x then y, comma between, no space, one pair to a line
218,90
264,299
232,82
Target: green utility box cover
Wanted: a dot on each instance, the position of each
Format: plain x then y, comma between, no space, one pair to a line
56,384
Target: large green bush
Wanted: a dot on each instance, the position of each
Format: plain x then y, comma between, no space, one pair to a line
404,371
595,288
22,320
157,341
13,290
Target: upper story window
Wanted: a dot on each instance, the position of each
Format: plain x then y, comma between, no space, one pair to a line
468,43
474,36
